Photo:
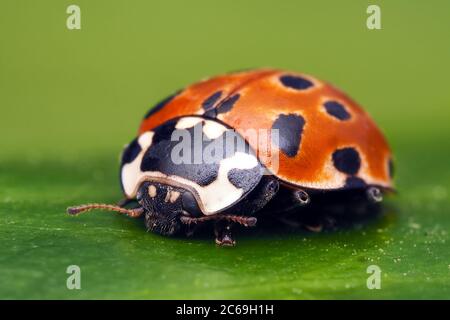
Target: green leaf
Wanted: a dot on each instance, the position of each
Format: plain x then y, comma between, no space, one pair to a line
119,259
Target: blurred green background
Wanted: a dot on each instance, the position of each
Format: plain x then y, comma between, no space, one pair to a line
70,99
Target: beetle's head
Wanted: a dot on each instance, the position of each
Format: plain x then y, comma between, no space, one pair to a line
163,205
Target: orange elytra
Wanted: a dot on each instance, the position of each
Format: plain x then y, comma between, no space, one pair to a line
327,141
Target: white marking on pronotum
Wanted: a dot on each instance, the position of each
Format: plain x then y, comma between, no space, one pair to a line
214,197
213,129
187,122
221,192
145,139
133,169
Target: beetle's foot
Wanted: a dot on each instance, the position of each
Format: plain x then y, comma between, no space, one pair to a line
224,237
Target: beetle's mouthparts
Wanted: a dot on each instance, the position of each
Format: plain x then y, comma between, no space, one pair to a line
162,224
164,228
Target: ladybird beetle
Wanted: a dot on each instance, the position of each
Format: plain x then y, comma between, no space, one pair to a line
328,151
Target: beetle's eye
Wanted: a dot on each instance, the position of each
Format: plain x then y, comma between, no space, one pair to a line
190,204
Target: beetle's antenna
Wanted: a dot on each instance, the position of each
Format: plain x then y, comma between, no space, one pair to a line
133,213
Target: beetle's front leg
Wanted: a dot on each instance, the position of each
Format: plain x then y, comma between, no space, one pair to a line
222,225
222,231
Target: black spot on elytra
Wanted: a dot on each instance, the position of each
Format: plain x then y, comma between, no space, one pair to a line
355,183
211,113
391,168
211,100
347,160
295,82
245,178
225,106
336,110
228,103
161,104
131,152
290,129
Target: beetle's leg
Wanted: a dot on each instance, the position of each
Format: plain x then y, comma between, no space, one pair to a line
374,194
222,231
242,220
222,227
133,213
301,197
245,221
292,201
191,226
